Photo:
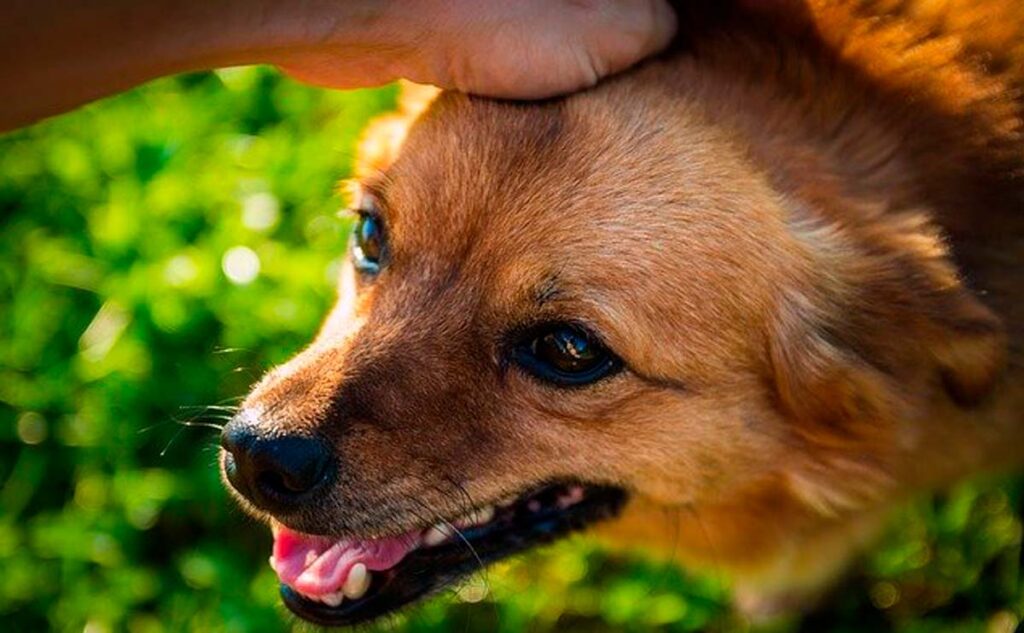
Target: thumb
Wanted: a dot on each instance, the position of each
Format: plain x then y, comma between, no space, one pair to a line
530,49
620,33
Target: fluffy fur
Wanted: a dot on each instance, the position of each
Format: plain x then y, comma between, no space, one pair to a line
803,231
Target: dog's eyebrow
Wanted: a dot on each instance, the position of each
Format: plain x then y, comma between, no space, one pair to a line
550,290
547,291
375,184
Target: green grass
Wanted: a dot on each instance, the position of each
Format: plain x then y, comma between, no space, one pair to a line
118,327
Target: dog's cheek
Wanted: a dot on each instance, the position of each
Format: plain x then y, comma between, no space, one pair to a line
670,445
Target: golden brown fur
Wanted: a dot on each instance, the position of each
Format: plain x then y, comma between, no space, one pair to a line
803,231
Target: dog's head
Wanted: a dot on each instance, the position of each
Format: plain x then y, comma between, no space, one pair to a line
551,307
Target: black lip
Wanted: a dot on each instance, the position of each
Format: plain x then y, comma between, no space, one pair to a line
426,571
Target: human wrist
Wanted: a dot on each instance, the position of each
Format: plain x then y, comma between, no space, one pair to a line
341,43
183,36
61,53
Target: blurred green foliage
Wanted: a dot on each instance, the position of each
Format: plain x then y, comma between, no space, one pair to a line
158,251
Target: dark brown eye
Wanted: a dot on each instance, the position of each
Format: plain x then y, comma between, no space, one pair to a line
566,355
368,248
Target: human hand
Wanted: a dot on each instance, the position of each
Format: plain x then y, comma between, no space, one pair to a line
524,49
58,54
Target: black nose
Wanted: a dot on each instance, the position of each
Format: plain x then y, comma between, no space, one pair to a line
277,473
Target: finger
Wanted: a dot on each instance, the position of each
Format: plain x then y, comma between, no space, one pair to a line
535,49
588,40
623,32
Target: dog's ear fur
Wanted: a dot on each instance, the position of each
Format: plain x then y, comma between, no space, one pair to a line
383,138
972,351
883,324
822,384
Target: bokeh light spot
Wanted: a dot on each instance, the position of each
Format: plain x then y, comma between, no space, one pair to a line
260,211
180,271
31,428
241,265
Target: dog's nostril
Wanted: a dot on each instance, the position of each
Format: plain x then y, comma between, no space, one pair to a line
276,473
291,465
283,485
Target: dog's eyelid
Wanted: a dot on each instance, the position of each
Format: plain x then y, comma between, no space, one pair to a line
368,202
370,196
664,383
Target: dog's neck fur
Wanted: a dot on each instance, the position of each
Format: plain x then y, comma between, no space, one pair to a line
858,101
823,102
828,114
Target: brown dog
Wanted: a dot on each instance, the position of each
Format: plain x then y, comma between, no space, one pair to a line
768,284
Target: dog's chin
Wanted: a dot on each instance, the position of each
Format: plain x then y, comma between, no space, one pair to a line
432,559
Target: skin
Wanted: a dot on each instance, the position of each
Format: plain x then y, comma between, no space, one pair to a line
801,348
58,54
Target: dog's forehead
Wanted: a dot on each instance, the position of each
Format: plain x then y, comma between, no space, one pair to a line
619,198
467,162
477,175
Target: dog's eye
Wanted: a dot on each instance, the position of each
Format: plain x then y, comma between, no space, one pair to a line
566,355
368,248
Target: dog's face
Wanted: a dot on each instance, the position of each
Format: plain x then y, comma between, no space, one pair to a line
548,308
541,293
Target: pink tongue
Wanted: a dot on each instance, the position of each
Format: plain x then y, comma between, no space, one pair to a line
316,565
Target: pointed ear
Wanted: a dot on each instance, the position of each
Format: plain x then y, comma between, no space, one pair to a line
969,345
826,386
880,336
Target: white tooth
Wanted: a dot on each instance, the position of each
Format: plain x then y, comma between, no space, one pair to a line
436,535
311,556
332,599
357,583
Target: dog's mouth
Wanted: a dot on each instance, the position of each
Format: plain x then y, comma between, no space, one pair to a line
343,582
